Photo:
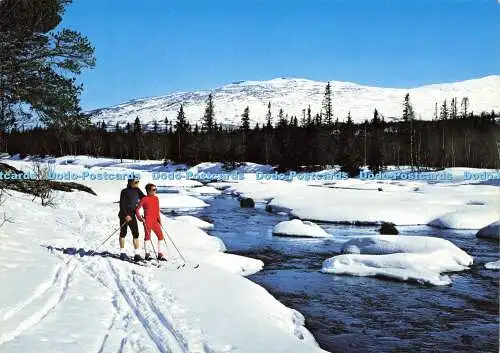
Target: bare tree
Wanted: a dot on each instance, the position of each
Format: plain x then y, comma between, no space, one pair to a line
4,218
42,185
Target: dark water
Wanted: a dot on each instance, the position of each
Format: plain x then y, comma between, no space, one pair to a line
365,314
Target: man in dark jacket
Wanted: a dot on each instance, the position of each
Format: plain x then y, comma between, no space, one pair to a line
129,198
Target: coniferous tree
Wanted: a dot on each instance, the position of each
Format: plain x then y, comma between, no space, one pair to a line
166,122
269,118
245,120
407,135
38,66
327,106
309,116
443,114
408,113
181,130
139,142
209,124
303,118
349,159
465,107
375,154
453,109
282,121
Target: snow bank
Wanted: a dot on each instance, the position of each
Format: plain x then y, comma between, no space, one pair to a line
491,231
180,201
475,217
218,168
492,265
390,244
195,221
46,305
353,200
406,258
298,228
419,267
204,190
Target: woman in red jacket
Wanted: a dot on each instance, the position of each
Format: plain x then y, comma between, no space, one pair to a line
151,219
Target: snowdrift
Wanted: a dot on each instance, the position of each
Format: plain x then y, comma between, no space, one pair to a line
406,258
472,218
195,221
57,302
298,228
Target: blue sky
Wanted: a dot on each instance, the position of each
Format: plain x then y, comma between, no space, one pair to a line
155,47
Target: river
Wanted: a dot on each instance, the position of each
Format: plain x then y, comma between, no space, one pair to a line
365,314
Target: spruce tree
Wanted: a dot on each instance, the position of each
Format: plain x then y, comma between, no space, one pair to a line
209,124
349,159
245,120
375,154
465,107
181,130
443,115
327,106
408,113
282,121
269,118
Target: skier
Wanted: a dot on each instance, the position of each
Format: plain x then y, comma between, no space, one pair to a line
151,220
129,198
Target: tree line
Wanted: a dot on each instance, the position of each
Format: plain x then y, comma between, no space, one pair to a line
454,138
39,64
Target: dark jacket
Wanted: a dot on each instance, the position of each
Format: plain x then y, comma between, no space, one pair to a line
129,198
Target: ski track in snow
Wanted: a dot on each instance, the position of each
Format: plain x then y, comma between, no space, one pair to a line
61,279
156,311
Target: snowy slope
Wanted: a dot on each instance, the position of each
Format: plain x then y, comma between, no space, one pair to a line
54,302
293,95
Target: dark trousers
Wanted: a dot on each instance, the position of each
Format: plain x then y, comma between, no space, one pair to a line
133,227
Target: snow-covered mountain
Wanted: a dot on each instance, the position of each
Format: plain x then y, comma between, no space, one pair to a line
294,95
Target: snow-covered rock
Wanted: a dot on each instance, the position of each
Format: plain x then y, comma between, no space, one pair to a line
407,258
475,217
298,228
491,231
391,244
195,221
495,265
421,267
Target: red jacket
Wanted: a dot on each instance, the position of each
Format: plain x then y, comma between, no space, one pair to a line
151,206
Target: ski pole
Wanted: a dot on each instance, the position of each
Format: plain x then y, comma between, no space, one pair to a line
104,242
175,246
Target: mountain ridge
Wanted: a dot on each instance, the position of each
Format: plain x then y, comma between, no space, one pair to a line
294,94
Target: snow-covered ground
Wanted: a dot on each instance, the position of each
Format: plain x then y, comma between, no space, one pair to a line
54,302
59,302
298,228
454,204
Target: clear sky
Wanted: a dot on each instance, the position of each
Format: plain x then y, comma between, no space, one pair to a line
154,47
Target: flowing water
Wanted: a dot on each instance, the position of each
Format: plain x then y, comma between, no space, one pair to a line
365,314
